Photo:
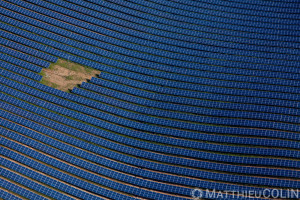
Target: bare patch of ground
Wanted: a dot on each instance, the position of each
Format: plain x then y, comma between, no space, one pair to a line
65,75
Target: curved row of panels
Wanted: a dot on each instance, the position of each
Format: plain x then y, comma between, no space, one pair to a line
192,94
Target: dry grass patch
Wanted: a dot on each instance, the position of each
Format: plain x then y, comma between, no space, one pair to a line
65,75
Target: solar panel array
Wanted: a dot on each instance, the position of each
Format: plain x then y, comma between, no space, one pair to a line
192,94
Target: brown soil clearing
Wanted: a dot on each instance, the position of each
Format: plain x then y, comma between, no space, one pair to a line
65,75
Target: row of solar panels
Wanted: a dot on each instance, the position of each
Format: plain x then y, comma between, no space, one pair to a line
23,141
18,62
241,131
83,127
270,81
91,170
21,48
111,119
62,176
15,188
204,35
239,7
164,110
156,73
100,151
241,4
229,51
204,31
198,136
30,173
190,153
118,166
238,100
186,13
274,181
109,89
193,20
173,91
133,60
19,70
23,56
61,40
204,84
15,101
94,104
6,195
24,115
112,109
169,25
53,183
267,94
208,92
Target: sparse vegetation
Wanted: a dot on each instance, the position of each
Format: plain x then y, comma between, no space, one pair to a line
65,75
69,78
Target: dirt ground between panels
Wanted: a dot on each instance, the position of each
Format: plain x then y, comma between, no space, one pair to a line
65,75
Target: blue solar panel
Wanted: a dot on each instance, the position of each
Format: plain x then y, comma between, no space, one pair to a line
192,94
19,62
6,195
153,64
25,49
22,56
20,70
